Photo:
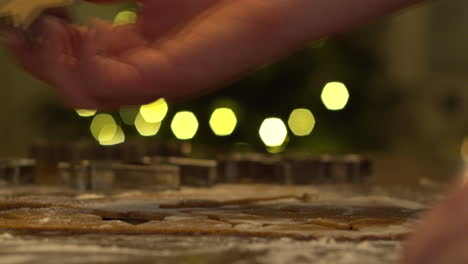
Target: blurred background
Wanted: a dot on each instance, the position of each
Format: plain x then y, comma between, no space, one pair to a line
396,88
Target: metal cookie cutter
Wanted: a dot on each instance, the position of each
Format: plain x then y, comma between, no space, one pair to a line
17,171
193,172
252,168
110,176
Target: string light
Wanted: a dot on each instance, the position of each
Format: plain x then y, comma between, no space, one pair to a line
184,125
155,111
301,122
223,121
125,17
106,131
273,132
128,115
145,128
118,138
335,96
86,112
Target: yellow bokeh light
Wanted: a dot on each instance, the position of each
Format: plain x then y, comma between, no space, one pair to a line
85,112
273,132
335,96
145,128
184,125
301,122
103,127
117,138
125,17
154,112
278,149
107,132
464,150
128,115
223,121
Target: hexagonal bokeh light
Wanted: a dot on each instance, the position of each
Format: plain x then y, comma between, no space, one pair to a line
128,115
184,125
223,121
85,112
301,122
106,131
145,128
273,132
125,17
117,138
335,96
155,111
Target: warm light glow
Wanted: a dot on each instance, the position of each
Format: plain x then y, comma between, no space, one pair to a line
146,129
85,112
335,96
107,132
223,121
154,112
277,149
103,127
273,132
301,122
464,150
125,17
119,137
128,115
184,125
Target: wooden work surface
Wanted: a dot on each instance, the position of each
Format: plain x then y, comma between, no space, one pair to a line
241,215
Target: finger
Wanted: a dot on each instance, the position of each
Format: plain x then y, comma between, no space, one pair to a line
113,78
58,51
96,40
438,237
116,102
125,38
26,54
161,17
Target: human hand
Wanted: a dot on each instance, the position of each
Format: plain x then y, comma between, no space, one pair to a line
179,48
441,237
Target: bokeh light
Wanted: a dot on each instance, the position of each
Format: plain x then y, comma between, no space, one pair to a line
155,111
223,121
278,149
184,125
335,96
106,131
85,112
128,115
273,132
119,137
301,122
125,17
464,150
145,128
